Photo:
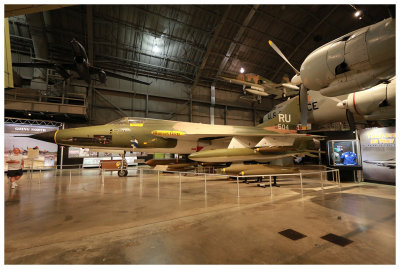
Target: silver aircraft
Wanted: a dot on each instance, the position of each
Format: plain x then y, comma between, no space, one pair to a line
354,62
375,104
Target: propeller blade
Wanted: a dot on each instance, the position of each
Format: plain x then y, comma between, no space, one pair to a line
277,50
350,120
303,106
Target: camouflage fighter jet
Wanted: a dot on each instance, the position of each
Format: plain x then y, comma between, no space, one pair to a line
274,139
260,86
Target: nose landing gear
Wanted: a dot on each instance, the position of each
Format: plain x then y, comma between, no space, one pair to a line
123,171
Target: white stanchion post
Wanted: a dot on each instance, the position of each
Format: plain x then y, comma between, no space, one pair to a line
322,183
158,184
180,186
205,183
237,183
301,184
270,185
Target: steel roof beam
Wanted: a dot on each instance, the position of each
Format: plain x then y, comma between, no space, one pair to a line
210,46
176,21
237,38
304,40
279,20
255,30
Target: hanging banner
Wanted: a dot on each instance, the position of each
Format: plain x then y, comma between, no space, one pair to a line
378,150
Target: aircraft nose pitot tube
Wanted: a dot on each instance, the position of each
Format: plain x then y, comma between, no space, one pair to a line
47,136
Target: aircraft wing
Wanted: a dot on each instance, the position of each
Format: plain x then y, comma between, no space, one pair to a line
266,88
96,70
33,64
60,68
226,131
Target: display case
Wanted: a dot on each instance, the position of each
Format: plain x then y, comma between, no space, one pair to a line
344,153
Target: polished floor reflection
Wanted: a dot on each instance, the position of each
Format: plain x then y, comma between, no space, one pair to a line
80,217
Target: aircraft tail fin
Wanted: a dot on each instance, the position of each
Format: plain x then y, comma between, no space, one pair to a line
287,118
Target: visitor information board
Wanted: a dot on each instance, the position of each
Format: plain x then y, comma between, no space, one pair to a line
378,149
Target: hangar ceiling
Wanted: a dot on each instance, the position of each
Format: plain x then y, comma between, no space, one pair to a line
192,44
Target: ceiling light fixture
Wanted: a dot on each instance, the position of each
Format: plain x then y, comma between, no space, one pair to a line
357,13
241,70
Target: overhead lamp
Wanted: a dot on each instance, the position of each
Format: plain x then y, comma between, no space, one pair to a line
241,70
358,14
156,49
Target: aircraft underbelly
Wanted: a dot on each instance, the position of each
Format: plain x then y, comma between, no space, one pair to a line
182,147
241,158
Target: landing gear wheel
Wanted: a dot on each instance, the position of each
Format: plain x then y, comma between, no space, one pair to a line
122,173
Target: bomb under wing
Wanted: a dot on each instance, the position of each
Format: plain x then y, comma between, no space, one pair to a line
258,169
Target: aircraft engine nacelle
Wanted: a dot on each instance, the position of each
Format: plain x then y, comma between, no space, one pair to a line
353,62
376,103
102,76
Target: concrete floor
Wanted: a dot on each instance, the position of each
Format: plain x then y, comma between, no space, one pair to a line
75,219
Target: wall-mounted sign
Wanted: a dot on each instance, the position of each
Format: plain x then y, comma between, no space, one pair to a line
378,149
27,129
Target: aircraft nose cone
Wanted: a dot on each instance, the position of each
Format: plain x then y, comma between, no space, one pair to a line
342,104
47,136
296,80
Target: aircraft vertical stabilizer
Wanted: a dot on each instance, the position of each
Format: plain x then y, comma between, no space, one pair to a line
287,118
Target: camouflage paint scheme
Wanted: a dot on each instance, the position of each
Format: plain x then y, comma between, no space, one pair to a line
261,86
219,143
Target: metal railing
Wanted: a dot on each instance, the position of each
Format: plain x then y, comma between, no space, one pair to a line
76,99
323,176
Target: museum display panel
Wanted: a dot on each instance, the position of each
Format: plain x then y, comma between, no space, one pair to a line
37,154
344,153
378,148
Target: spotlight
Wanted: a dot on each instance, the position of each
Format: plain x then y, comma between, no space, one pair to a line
242,70
357,14
29,114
